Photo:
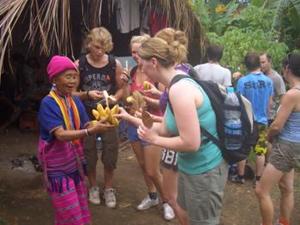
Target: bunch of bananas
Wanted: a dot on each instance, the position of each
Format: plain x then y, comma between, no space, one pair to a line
106,115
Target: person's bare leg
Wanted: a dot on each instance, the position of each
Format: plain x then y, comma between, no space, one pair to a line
92,177
139,153
152,157
241,167
170,189
108,177
270,177
286,186
260,165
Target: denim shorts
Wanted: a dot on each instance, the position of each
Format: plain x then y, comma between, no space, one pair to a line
132,134
285,155
202,195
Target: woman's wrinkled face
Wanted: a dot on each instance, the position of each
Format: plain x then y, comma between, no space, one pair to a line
67,82
134,52
96,50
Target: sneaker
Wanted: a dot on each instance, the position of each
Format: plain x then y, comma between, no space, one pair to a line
94,195
147,203
237,179
110,198
168,212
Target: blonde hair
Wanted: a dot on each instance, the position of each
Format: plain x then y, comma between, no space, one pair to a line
166,53
170,34
102,36
139,39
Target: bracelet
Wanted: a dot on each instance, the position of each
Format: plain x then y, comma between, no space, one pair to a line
86,132
87,93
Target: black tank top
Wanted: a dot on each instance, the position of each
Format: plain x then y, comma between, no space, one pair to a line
92,78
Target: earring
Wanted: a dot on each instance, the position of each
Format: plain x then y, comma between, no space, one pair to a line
53,86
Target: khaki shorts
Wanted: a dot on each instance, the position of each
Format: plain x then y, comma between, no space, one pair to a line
109,157
285,155
202,195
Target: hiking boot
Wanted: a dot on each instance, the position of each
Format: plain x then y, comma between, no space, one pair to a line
110,198
168,212
94,195
147,203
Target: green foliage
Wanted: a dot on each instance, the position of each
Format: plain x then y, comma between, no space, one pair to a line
286,22
242,29
237,43
254,18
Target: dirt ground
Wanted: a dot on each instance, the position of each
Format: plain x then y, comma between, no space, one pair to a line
23,200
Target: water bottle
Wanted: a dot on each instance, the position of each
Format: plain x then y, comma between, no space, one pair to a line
232,124
98,143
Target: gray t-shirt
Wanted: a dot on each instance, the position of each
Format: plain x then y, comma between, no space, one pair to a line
279,90
214,72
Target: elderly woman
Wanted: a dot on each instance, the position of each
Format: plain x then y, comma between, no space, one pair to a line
63,125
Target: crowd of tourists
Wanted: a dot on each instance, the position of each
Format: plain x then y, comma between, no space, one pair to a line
183,170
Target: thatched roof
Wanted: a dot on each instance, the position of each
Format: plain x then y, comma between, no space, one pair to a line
49,24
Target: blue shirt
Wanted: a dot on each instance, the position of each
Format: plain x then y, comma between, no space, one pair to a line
50,116
257,88
208,156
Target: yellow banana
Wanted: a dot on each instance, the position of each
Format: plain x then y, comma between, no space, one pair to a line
94,122
130,99
114,121
96,114
107,111
101,110
146,85
115,110
108,114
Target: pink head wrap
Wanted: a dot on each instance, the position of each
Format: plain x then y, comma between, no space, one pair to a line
59,64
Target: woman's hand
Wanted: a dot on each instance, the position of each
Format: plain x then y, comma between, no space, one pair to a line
152,102
98,127
152,90
123,114
147,134
125,75
138,114
95,95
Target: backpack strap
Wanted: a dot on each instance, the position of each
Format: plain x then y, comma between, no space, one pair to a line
205,132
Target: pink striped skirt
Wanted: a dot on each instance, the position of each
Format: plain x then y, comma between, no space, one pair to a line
71,206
